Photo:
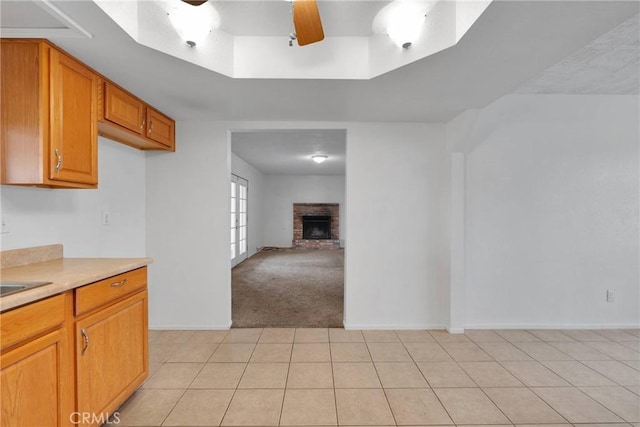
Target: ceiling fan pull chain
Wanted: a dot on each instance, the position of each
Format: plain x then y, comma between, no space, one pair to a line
292,33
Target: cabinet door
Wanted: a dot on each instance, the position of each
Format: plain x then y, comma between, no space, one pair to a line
73,149
35,385
111,354
160,128
123,109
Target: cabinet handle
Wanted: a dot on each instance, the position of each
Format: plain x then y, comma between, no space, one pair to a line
86,340
118,284
143,121
59,163
150,125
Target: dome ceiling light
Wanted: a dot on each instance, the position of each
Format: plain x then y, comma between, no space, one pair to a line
319,158
405,23
193,20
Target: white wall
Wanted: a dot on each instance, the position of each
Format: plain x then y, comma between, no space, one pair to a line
398,171
282,191
37,216
552,215
551,210
188,213
256,197
397,266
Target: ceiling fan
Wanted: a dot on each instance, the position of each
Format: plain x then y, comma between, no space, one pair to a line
306,20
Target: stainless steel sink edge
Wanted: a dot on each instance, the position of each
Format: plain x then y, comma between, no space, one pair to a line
12,287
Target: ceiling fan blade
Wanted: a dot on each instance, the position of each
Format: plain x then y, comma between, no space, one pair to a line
195,2
306,20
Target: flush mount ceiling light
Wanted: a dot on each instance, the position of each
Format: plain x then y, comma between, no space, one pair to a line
319,158
193,23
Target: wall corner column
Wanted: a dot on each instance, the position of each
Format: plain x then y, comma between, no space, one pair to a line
457,279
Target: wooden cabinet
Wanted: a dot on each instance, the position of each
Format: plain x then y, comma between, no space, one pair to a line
123,109
52,108
111,341
32,380
48,125
111,362
129,120
160,128
36,378
74,358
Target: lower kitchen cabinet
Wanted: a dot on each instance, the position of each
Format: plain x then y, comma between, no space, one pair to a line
34,389
111,354
36,382
74,358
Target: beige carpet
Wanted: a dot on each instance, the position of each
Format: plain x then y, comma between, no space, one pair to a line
289,288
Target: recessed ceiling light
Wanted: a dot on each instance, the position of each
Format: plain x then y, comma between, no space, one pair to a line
319,158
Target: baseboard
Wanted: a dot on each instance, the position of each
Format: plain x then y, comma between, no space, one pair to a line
552,326
356,326
426,326
190,327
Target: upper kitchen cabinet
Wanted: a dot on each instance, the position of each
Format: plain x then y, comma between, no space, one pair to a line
123,109
129,120
161,128
48,124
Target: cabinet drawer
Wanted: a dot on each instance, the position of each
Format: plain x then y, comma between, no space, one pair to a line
28,321
105,291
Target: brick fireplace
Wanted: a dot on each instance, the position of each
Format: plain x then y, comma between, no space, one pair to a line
316,225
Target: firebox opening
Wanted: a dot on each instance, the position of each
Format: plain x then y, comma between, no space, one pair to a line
316,227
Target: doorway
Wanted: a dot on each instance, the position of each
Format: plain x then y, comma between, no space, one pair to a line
283,283
239,216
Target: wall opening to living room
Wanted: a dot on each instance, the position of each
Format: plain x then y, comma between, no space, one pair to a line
291,277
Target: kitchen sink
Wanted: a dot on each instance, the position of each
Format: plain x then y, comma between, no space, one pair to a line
7,288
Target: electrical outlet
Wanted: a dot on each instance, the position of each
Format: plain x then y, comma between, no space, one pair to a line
5,227
106,218
611,295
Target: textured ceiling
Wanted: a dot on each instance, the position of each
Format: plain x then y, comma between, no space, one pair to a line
608,65
287,152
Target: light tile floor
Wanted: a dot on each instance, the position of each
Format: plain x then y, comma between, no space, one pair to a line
324,377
